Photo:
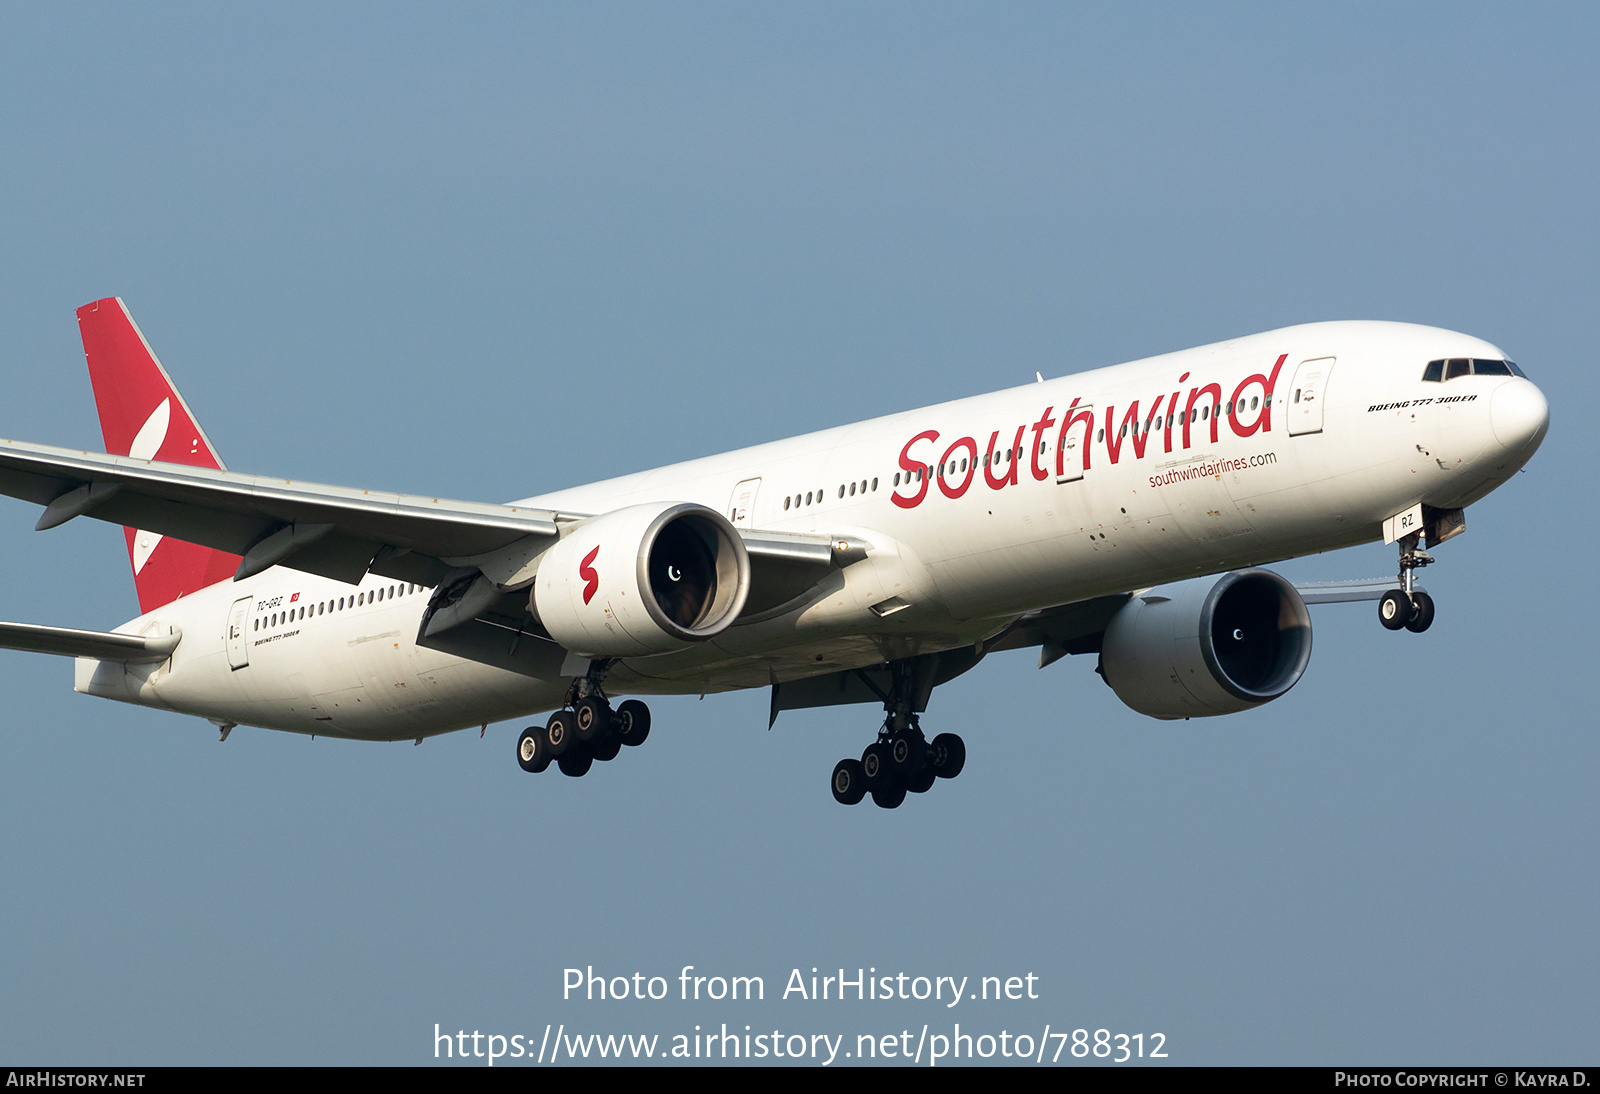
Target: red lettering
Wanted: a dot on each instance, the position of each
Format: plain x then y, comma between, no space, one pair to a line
1068,420
911,468
1188,411
590,578
1264,421
991,460
1044,423
972,468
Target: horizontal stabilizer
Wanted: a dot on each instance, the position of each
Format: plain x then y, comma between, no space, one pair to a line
102,645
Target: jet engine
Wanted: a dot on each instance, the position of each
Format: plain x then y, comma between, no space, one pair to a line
1214,645
645,579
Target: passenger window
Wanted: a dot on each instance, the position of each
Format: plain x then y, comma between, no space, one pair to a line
874,486
786,505
1434,373
808,497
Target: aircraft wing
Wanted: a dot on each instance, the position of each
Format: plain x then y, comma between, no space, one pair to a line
1079,628
1347,592
102,645
337,531
334,531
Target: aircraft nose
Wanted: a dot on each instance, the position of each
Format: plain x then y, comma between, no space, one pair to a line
1519,414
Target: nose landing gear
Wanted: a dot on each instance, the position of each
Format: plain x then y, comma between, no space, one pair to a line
586,730
1408,607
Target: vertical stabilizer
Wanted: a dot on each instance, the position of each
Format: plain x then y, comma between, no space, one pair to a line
143,416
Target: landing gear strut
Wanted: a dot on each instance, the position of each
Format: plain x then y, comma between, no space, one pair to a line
901,760
1408,607
584,731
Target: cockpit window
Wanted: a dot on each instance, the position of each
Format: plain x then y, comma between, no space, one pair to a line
1464,366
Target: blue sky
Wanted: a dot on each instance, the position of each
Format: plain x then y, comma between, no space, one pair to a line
491,252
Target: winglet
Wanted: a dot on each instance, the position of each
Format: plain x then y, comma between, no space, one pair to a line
143,416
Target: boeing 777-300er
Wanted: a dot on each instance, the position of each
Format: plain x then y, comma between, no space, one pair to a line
1122,512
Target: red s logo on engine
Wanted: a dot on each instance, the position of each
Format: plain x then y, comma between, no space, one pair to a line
591,579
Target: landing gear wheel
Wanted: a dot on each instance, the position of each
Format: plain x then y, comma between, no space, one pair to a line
889,797
533,751
591,717
875,768
1395,610
1422,616
949,755
907,750
849,783
607,749
576,762
922,781
558,734
631,722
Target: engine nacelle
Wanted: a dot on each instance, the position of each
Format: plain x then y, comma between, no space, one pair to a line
1214,645
645,579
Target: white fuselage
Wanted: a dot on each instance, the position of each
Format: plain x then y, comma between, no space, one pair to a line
1141,495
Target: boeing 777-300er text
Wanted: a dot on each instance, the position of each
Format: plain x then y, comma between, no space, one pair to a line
1121,512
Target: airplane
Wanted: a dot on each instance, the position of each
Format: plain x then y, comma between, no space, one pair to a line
1124,512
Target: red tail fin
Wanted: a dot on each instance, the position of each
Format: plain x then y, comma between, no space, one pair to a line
143,416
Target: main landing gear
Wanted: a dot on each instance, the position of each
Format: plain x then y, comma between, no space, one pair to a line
583,731
1408,607
901,760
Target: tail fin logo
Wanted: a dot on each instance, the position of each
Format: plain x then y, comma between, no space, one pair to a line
153,434
128,381
586,571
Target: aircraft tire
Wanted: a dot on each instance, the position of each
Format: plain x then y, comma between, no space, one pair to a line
906,752
849,784
875,767
607,749
1422,618
923,780
591,719
533,751
949,755
576,762
889,797
558,733
1395,610
632,722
